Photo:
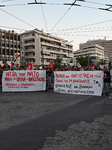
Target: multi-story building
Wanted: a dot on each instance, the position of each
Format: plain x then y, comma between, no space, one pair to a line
94,52
9,45
41,48
107,44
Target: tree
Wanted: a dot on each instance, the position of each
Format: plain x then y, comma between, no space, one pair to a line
82,60
102,61
58,59
57,65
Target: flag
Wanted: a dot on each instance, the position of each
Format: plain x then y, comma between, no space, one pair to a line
12,64
14,67
79,66
102,66
30,66
17,60
92,65
51,66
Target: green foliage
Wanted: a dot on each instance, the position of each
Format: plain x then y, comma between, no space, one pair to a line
102,62
57,65
24,63
83,61
58,59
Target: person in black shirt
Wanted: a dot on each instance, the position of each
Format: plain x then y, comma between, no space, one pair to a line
106,81
49,75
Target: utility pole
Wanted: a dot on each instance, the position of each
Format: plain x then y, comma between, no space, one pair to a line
42,58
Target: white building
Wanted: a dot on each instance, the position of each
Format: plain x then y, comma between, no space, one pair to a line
9,45
95,53
107,44
41,48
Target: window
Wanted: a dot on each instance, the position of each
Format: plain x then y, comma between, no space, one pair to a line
3,52
12,52
7,51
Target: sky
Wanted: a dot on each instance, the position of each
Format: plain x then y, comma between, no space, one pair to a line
76,24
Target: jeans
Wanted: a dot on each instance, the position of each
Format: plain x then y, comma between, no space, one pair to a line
106,85
49,81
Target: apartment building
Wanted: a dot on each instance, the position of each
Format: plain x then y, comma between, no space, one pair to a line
9,45
41,48
95,53
107,44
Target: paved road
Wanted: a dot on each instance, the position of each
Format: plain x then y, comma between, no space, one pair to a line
32,135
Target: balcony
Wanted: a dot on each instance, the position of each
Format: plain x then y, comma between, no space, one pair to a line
56,52
56,46
30,57
45,63
49,57
29,50
64,59
29,44
28,38
70,54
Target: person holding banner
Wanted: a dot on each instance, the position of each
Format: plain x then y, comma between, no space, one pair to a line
106,81
49,75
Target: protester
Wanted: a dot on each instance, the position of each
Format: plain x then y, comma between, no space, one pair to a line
0,74
90,68
5,68
49,75
21,68
106,81
43,68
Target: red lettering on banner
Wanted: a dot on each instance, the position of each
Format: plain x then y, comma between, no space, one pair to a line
8,79
14,74
74,75
98,76
35,79
82,75
33,74
21,79
79,81
21,74
59,80
67,77
8,73
60,75
87,75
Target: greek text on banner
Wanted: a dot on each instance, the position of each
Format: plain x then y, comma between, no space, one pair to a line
79,82
29,80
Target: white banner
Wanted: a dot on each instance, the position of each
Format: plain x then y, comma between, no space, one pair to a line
79,82
21,80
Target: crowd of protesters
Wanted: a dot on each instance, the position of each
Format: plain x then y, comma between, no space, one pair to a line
50,74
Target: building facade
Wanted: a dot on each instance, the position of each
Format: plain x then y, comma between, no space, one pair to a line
94,52
41,48
9,45
107,44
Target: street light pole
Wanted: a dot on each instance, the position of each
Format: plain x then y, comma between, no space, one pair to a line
42,58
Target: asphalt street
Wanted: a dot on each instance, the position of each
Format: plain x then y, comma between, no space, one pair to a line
32,135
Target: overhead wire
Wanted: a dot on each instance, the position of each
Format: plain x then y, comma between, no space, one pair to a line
44,17
17,18
6,0
61,17
84,26
13,28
